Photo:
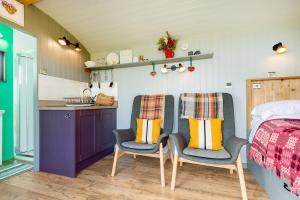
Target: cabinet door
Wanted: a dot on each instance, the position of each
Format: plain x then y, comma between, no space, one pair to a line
86,134
57,142
105,123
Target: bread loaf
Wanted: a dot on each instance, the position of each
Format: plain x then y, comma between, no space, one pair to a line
104,100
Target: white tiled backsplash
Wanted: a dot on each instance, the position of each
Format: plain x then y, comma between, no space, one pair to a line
53,88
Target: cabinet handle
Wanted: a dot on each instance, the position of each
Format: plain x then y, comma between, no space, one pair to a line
68,116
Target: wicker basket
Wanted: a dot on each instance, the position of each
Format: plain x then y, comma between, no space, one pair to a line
104,100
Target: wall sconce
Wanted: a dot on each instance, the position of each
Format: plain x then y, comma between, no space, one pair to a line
279,48
65,42
1,35
180,68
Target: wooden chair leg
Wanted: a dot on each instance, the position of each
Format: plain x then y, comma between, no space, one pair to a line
115,161
241,177
134,156
180,163
162,165
175,162
231,171
170,152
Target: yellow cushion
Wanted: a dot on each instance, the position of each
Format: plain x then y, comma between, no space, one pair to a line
148,131
206,134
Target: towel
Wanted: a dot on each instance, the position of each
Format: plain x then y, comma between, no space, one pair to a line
202,106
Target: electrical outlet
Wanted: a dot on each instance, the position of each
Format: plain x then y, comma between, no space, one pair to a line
228,85
43,71
256,85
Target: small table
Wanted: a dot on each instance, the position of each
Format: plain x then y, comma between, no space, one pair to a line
1,113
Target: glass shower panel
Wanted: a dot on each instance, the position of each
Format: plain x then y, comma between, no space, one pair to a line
25,105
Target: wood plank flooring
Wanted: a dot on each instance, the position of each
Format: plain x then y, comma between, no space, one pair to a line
135,179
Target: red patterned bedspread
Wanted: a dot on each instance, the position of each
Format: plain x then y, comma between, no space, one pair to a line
276,146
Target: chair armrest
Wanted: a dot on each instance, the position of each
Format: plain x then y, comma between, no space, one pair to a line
177,140
163,138
234,145
124,135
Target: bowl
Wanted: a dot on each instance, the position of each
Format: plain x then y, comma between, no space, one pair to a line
90,63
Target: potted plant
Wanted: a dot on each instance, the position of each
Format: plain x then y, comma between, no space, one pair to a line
168,45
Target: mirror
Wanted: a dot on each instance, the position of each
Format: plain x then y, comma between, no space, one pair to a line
2,67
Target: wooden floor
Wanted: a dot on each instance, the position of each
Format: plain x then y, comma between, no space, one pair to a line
135,179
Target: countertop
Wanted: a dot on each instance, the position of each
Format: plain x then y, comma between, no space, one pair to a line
57,106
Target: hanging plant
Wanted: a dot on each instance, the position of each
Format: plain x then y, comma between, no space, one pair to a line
167,44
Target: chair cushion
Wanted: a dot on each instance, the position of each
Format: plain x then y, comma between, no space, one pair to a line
220,154
136,145
206,134
148,131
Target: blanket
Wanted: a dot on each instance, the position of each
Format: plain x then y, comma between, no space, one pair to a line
276,146
202,106
153,107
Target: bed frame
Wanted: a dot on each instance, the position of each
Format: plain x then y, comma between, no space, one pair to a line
261,91
264,90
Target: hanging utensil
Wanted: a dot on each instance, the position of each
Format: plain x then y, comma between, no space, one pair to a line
105,75
111,84
99,79
90,84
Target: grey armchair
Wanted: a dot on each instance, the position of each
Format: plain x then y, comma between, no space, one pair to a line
126,137
228,158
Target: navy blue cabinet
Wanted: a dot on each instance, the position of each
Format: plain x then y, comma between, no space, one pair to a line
72,140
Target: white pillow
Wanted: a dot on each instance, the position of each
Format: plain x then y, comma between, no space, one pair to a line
277,108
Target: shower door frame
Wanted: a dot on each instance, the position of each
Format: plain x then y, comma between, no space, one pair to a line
36,143
23,64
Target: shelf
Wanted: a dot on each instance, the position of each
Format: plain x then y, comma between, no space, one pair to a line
156,62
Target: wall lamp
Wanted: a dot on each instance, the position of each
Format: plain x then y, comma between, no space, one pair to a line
180,68
65,42
279,48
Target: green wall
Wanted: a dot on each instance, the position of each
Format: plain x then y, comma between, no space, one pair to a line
6,93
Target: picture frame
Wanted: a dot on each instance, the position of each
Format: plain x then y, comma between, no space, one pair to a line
13,11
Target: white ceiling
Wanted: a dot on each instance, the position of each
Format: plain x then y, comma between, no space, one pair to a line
102,25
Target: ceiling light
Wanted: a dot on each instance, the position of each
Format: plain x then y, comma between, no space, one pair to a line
77,47
62,41
65,42
279,48
164,69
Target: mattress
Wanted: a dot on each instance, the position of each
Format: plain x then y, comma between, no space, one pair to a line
270,183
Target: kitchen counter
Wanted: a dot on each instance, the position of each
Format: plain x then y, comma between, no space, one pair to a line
72,138
63,107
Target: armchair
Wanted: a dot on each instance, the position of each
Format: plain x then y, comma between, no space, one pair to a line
228,158
126,137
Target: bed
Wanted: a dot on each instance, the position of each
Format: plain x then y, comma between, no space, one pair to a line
262,125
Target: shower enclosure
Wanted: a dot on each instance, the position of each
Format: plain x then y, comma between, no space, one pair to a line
25,95
24,107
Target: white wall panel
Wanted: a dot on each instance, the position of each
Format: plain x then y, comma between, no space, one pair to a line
237,57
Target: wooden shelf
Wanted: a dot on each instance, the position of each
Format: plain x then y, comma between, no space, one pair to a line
156,62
